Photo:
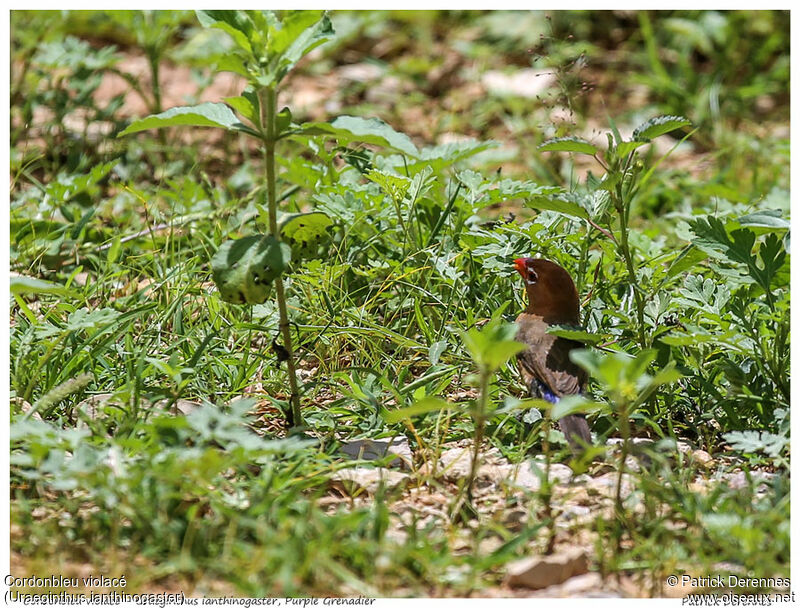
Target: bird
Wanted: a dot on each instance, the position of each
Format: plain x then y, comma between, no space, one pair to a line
545,365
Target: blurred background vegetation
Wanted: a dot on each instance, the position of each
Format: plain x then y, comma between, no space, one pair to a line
110,242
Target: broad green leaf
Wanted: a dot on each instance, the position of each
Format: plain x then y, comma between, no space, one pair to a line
767,218
558,204
568,144
304,232
301,32
688,258
244,269
27,285
683,339
232,63
578,335
237,24
498,353
445,155
570,404
367,130
246,104
203,115
659,126
423,406
494,344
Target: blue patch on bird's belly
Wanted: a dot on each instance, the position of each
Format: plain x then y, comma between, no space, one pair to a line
544,392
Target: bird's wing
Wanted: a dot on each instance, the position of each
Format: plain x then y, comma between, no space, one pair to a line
546,359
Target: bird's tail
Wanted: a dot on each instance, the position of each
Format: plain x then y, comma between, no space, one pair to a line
576,430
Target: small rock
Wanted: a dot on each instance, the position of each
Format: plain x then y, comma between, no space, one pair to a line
181,406
703,458
606,485
27,408
542,571
375,449
529,475
576,512
456,463
360,480
585,584
738,480
558,471
91,408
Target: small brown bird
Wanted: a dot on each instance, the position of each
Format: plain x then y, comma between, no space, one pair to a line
545,365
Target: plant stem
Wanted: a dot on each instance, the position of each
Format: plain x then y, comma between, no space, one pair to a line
625,431
626,254
480,425
546,490
267,101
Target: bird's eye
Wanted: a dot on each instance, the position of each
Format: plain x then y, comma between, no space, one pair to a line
532,276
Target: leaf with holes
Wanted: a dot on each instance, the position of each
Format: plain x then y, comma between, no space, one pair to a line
244,269
305,232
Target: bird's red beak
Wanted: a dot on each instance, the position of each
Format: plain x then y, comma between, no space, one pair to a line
519,265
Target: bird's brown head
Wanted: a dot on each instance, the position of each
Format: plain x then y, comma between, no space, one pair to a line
551,292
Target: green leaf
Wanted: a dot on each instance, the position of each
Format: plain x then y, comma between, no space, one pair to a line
283,120
492,346
755,441
435,351
367,130
626,147
247,105
244,269
499,353
237,24
772,256
84,319
558,204
570,404
203,115
396,186
28,285
659,126
445,155
423,406
232,63
713,238
688,258
578,335
301,32
568,144
304,232
767,218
